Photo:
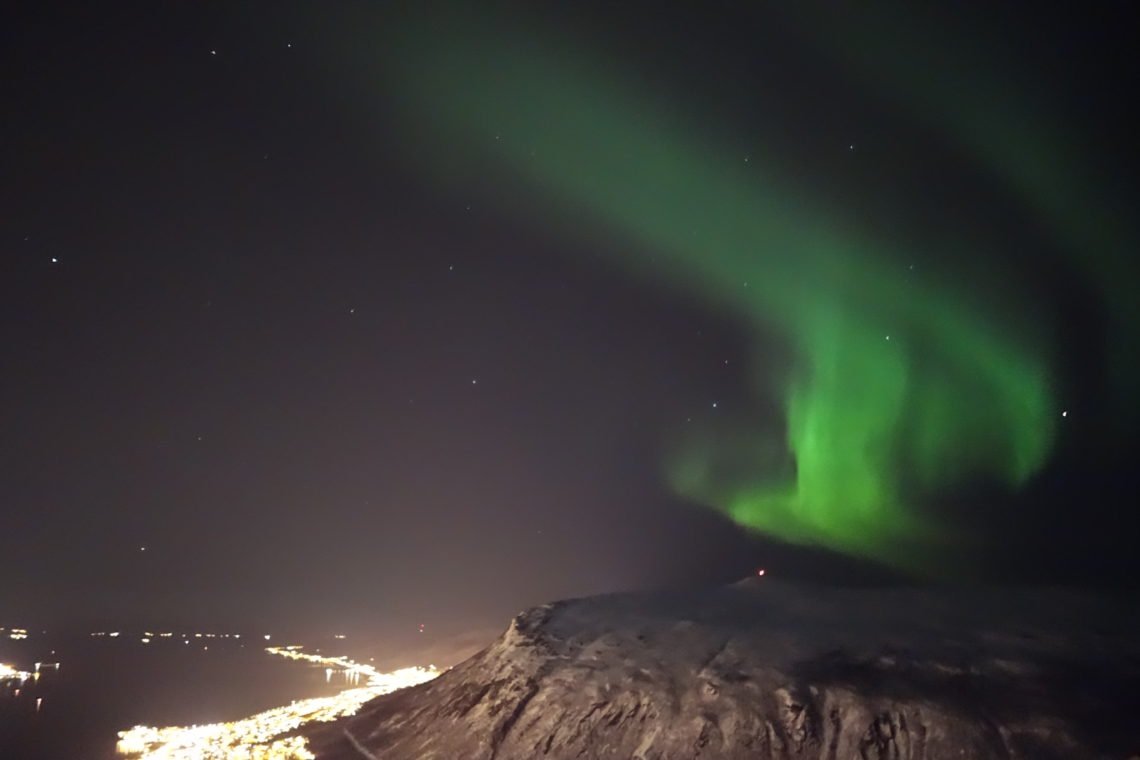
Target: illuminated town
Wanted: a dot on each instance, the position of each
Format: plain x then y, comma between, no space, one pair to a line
9,673
263,736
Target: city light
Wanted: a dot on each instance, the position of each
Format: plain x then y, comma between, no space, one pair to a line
263,736
9,673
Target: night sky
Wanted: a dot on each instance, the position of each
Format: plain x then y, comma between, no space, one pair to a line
362,312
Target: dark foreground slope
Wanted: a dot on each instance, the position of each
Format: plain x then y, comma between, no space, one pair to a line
764,670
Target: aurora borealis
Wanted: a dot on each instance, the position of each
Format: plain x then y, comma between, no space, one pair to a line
896,382
387,320
459,308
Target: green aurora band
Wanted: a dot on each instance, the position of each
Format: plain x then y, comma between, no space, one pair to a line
984,100
893,387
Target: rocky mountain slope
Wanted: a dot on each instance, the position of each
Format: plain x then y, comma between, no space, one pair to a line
766,670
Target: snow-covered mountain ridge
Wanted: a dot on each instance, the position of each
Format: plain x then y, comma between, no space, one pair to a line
764,670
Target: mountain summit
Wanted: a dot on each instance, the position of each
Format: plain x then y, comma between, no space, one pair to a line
762,669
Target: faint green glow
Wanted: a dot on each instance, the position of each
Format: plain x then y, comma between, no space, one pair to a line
893,387
983,99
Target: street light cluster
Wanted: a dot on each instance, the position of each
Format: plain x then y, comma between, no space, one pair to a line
263,736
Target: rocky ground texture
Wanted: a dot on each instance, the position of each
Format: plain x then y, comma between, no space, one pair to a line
764,670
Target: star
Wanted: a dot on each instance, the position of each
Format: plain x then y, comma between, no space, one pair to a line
1065,413
54,260
714,405
473,381
142,548
213,52
888,337
851,147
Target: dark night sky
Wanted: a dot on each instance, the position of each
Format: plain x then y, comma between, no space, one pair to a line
243,329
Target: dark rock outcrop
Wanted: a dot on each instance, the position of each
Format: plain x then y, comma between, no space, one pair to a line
764,670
